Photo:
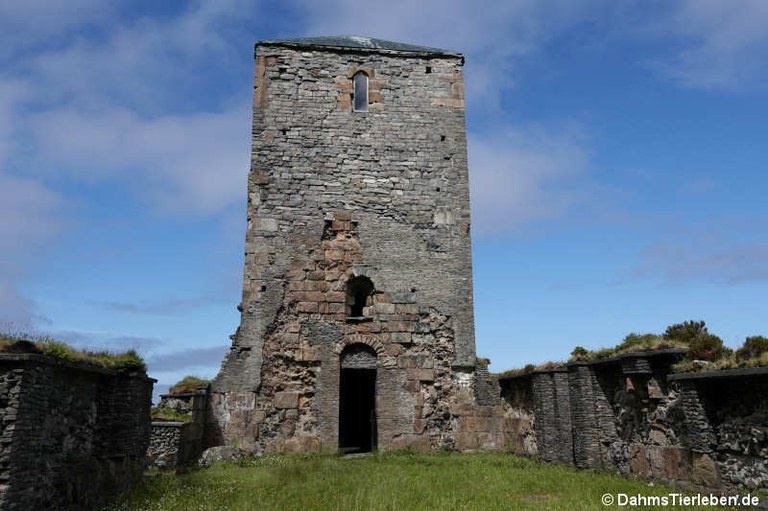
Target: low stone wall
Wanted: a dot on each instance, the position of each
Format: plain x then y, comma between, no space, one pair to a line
631,415
518,416
71,436
178,444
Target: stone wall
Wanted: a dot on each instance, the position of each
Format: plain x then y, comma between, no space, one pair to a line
629,414
178,444
71,436
336,195
518,416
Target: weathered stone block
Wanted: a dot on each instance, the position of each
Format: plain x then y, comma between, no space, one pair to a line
307,307
705,471
401,337
420,374
474,424
466,441
638,460
264,224
411,442
335,296
286,399
311,355
670,463
302,444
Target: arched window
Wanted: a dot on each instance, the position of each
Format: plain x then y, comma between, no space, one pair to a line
359,291
360,81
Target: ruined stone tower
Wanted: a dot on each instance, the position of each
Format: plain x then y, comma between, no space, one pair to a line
357,321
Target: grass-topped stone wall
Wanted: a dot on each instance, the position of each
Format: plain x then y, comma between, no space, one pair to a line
74,425
178,424
679,407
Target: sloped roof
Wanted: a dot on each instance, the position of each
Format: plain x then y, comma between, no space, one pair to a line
355,42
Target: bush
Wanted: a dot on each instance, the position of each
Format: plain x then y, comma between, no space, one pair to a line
701,344
686,331
188,384
579,353
707,347
634,340
753,347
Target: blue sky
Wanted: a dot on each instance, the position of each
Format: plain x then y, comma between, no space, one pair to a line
617,159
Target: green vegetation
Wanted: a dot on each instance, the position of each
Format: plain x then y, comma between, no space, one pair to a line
188,384
701,344
529,368
705,351
393,481
632,343
166,414
754,347
40,345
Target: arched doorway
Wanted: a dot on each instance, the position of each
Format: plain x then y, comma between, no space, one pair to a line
357,399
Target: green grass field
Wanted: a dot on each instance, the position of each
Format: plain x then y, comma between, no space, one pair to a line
400,481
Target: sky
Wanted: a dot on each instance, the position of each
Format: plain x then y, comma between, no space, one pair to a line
617,150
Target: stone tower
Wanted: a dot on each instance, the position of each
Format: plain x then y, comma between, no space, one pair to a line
357,321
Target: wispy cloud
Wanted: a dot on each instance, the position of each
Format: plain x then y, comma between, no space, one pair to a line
493,35
195,163
92,92
26,24
104,341
187,359
523,175
729,252
168,307
16,311
718,45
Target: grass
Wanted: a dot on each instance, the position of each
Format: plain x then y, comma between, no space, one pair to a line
727,362
41,345
168,415
188,384
393,481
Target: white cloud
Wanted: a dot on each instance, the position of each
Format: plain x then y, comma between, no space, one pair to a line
730,251
492,34
723,44
16,311
27,23
116,106
26,213
12,93
523,175
195,163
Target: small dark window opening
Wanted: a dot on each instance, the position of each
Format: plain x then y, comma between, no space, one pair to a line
442,138
359,291
360,81
429,69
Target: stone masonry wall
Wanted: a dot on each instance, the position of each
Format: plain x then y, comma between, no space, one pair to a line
335,195
518,416
630,415
70,437
178,444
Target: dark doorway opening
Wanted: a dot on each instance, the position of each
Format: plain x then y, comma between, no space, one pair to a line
357,410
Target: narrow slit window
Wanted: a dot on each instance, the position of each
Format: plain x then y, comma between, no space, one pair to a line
359,291
361,92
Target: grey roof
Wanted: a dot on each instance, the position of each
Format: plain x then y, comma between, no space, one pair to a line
356,42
